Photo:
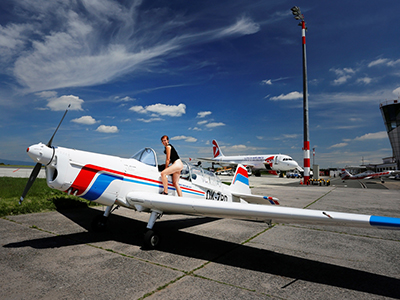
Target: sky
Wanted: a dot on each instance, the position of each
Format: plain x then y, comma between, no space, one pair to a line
197,71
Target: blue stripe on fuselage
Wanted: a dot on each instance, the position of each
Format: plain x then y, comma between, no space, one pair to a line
102,182
384,221
99,186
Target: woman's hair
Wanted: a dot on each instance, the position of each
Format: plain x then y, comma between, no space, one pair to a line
165,136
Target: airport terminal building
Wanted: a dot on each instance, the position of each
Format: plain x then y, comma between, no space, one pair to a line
391,117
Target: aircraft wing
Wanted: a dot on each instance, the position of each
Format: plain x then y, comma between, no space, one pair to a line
245,211
223,162
206,159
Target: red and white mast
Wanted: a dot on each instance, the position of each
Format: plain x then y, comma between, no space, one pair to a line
306,147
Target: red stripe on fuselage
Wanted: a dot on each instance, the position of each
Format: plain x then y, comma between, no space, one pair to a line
88,172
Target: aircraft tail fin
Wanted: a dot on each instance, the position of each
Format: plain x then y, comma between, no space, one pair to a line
345,174
240,181
216,149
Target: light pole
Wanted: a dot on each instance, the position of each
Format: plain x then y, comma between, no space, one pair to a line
306,148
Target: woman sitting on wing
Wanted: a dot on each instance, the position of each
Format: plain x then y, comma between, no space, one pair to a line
174,170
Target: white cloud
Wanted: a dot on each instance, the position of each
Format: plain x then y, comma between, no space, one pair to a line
267,82
214,124
86,120
95,42
107,129
372,136
124,99
365,80
291,96
343,75
379,61
393,63
138,108
189,139
238,147
13,38
61,103
167,110
161,109
202,122
203,114
291,136
342,79
384,61
350,97
243,26
150,120
397,92
47,94
340,145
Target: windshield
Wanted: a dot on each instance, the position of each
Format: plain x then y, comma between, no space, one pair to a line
199,174
146,156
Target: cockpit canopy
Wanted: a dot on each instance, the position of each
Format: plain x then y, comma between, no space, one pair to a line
147,156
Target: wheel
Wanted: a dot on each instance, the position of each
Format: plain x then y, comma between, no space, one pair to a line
99,223
151,239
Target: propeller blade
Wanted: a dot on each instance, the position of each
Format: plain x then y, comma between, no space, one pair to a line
51,140
32,178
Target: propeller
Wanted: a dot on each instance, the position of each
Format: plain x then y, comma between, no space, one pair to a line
38,166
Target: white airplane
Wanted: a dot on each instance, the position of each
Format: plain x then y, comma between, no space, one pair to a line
135,183
345,175
270,162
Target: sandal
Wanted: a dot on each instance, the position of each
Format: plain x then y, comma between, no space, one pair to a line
163,193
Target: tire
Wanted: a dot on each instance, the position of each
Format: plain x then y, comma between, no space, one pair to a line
151,239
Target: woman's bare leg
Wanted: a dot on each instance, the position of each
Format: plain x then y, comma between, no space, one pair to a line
175,182
164,180
175,168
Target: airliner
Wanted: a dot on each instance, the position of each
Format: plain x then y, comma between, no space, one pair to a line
269,162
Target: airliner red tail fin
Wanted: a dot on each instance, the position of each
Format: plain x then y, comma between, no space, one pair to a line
216,149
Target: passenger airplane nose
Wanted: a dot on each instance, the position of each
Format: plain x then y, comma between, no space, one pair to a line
40,153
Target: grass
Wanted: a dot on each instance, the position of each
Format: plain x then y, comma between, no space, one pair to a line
40,197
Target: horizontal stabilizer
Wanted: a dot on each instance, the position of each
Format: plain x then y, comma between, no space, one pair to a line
257,199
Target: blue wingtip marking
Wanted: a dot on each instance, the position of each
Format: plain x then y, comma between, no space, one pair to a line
384,221
270,201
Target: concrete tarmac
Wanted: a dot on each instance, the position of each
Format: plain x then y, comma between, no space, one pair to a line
54,255
22,172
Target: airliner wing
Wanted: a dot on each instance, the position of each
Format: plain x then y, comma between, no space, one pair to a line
245,211
206,159
224,162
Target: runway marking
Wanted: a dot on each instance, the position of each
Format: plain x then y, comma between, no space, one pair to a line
363,185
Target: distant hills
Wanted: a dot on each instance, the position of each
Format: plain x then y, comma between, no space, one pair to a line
16,162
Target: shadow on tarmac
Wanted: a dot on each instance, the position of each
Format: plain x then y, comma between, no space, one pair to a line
130,231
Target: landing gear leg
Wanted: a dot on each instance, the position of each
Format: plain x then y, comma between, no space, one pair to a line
151,238
99,223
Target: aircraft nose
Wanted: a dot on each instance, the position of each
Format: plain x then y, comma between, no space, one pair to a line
40,153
